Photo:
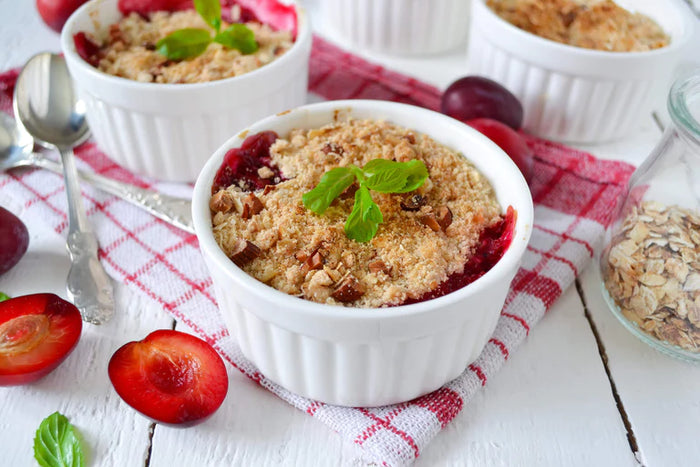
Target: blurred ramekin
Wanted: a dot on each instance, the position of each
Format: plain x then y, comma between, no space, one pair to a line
397,26
168,131
575,94
356,356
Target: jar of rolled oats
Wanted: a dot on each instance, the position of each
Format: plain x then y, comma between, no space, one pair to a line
650,265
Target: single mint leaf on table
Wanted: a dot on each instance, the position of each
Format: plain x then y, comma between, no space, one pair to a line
364,220
56,443
332,184
4,296
238,36
184,43
210,11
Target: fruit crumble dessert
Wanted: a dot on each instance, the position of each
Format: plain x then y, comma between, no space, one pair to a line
591,24
130,49
433,240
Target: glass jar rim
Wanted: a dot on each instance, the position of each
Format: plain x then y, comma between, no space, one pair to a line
682,90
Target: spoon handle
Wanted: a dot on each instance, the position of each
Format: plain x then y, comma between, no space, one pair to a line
89,287
175,211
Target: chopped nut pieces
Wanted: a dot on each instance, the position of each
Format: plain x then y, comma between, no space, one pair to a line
379,266
332,148
222,201
653,272
315,261
244,252
413,203
444,217
251,206
431,221
348,290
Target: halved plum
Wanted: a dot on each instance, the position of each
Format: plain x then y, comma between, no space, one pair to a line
170,376
37,332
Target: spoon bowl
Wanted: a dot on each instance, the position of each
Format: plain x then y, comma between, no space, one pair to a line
15,143
47,105
48,108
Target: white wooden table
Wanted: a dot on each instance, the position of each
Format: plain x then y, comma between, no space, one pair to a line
581,391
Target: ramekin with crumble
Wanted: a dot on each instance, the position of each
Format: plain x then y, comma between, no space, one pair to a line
129,48
591,24
433,240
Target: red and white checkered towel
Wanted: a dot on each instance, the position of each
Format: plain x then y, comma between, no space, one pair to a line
573,194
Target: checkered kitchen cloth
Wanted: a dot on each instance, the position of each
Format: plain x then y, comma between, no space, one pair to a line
573,194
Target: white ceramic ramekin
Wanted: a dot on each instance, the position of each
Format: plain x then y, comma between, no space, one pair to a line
355,356
397,26
574,94
168,131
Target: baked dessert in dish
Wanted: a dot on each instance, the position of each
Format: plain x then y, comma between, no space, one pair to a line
130,48
591,24
433,240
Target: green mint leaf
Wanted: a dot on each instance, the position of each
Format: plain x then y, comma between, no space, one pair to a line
387,176
210,11
4,296
364,220
184,43
238,36
56,443
332,184
384,176
416,172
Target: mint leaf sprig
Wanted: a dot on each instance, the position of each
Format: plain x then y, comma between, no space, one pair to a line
191,42
56,443
380,175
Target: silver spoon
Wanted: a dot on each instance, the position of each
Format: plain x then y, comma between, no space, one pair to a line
49,110
16,151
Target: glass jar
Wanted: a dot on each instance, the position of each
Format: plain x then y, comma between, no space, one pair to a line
650,265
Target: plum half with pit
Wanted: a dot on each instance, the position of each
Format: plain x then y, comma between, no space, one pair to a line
37,333
14,240
478,97
170,376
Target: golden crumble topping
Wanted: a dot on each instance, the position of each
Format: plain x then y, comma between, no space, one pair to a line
129,50
427,234
591,24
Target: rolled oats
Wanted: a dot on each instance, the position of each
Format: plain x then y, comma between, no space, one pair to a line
652,272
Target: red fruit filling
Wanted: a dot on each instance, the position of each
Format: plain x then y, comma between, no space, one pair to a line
37,332
86,48
493,243
143,7
240,167
271,12
170,377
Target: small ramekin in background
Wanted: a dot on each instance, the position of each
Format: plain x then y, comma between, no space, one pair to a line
574,94
168,131
401,27
360,356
